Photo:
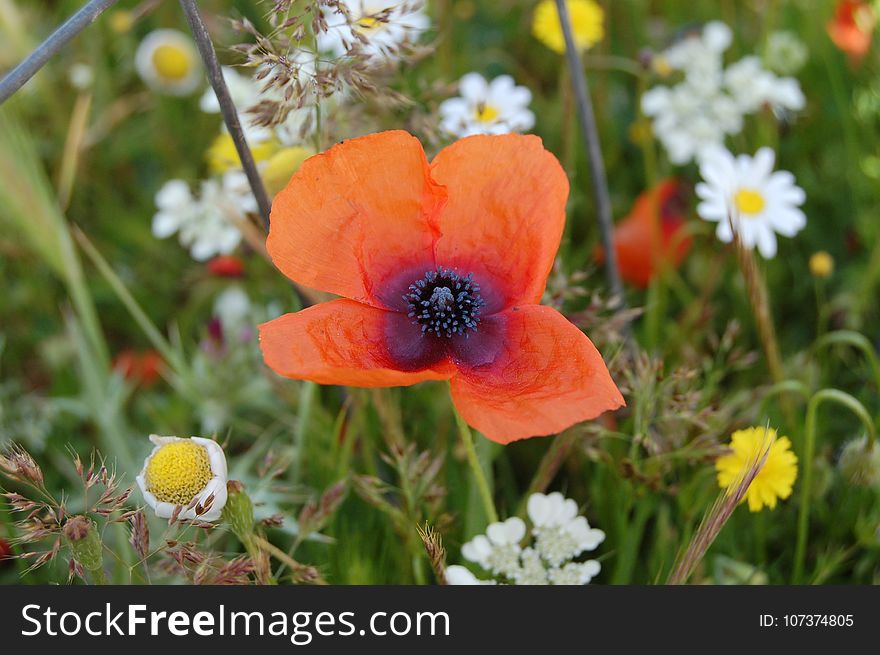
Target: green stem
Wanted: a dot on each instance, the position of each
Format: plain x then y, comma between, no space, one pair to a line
809,448
473,461
856,340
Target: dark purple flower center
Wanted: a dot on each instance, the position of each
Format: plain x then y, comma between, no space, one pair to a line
444,303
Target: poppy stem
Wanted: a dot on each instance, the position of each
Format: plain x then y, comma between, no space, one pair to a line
227,107
590,135
18,76
467,439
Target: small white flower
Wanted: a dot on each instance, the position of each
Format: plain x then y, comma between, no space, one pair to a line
459,575
81,77
184,473
404,22
786,54
559,535
551,510
575,573
533,571
701,111
752,87
699,55
168,62
496,107
747,192
232,307
497,551
205,225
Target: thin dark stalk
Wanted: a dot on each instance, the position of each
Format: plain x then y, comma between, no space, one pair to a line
227,108
594,151
18,76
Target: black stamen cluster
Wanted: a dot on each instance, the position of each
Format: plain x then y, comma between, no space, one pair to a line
444,303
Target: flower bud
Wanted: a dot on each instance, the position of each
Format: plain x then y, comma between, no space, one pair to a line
239,511
859,463
82,536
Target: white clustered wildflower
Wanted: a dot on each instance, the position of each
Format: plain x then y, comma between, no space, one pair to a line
379,28
710,103
206,225
558,536
496,107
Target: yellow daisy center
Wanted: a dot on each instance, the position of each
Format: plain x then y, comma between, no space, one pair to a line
749,201
485,113
171,61
178,471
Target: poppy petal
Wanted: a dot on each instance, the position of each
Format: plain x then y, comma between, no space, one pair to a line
505,214
547,375
339,342
353,217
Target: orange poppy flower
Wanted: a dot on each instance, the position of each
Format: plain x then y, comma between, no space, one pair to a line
852,28
634,241
441,267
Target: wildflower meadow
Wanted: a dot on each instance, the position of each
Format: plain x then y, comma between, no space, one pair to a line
440,292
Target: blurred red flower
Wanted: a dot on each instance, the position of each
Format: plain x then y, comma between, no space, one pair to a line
141,368
852,28
226,266
640,253
5,550
441,267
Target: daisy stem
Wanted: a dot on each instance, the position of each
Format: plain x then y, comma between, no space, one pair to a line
467,439
807,456
760,304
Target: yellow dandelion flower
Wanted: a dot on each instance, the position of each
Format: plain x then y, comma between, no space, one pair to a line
587,24
774,481
821,264
222,156
282,165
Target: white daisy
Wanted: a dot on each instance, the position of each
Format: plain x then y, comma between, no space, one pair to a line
402,23
746,194
205,225
168,62
496,107
186,473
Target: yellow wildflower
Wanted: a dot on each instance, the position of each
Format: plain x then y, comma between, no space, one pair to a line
587,24
774,481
